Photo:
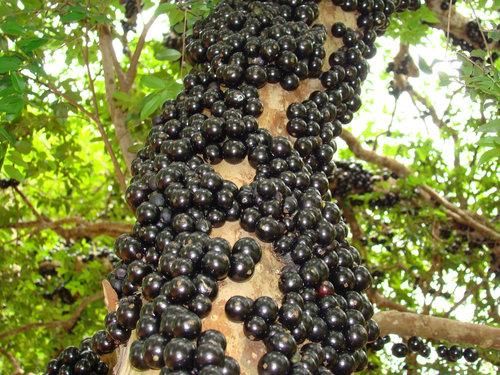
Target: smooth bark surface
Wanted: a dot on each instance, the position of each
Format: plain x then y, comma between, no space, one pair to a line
409,324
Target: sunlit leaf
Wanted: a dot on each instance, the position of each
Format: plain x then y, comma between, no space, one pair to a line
424,67
489,155
153,82
13,172
9,63
75,13
30,44
168,54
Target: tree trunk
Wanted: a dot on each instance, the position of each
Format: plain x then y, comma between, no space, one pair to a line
264,282
265,279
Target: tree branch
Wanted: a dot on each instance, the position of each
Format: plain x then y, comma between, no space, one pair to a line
464,217
410,324
29,204
467,294
118,117
118,171
454,23
80,227
350,218
65,324
134,62
18,370
384,302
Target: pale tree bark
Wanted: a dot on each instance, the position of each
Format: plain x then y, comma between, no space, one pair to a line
452,22
440,329
118,116
457,214
265,279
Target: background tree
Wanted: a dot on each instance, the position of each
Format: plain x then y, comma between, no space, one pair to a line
78,80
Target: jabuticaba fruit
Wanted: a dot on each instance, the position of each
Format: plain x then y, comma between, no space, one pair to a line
239,261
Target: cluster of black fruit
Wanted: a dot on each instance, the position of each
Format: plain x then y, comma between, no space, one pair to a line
461,43
401,349
170,265
445,4
77,361
386,200
132,8
47,269
173,40
394,89
401,67
351,178
416,345
454,353
476,36
8,183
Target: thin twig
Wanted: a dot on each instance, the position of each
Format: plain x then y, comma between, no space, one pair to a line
65,324
466,295
18,370
183,42
388,131
37,214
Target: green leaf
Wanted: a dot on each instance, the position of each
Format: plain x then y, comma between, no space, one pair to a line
30,44
493,153
17,158
172,10
424,67
153,82
489,141
17,82
13,172
24,147
6,136
135,147
444,79
12,27
123,98
9,63
168,54
478,53
165,8
74,14
492,126
153,101
12,104
4,146
176,15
